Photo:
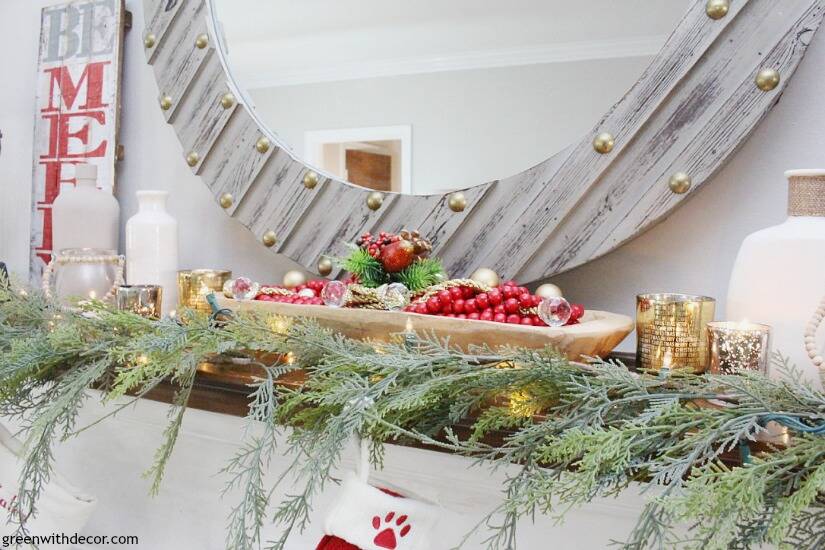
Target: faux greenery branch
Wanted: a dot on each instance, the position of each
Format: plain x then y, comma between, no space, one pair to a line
577,432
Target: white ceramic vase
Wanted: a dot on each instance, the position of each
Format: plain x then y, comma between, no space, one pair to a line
779,275
85,216
152,247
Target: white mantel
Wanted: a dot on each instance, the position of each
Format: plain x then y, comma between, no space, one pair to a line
107,461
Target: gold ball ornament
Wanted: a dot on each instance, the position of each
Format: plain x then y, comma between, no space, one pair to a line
226,200
717,9
324,266
603,143
263,145
149,41
680,183
486,276
310,180
192,159
166,103
375,200
457,202
269,239
294,278
202,41
228,100
548,290
767,79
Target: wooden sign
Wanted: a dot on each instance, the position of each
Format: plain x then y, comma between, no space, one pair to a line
78,104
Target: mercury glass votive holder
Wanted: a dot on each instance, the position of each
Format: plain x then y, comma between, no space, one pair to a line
196,284
144,300
671,331
738,347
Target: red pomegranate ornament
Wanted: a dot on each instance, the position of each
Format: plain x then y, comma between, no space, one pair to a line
397,256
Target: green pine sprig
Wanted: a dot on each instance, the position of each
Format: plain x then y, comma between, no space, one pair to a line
423,273
369,270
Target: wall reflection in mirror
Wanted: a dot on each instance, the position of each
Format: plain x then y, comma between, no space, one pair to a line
424,96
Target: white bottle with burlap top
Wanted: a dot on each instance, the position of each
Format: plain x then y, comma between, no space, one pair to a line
779,275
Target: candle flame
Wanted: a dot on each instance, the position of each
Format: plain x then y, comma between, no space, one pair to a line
667,360
92,294
409,326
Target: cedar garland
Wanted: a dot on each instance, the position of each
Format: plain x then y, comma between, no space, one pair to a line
602,427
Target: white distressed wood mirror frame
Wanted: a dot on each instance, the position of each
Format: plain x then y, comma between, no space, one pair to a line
721,70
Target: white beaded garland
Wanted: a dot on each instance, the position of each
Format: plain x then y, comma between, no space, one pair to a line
810,335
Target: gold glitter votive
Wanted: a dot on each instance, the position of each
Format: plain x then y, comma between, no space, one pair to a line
194,285
738,347
671,331
144,300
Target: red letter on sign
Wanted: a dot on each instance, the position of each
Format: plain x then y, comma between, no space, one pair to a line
59,135
92,75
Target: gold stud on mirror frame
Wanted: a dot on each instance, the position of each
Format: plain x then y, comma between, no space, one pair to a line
226,200
202,41
192,159
262,145
310,180
604,142
680,183
767,79
717,9
149,41
375,200
457,202
228,100
166,103
324,266
269,239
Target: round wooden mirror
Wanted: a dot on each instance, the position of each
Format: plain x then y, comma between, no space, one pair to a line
716,75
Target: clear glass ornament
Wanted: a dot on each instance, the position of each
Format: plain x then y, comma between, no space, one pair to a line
334,294
555,311
394,296
243,288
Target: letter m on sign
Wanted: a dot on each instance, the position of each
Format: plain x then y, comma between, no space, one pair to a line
78,95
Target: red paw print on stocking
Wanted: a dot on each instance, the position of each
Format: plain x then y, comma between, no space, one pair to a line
392,531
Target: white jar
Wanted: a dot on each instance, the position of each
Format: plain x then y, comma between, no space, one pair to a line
84,216
152,247
779,275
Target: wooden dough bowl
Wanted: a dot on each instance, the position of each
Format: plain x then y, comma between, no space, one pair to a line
595,336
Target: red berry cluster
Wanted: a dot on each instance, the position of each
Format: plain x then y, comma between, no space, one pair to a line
509,303
316,286
375,244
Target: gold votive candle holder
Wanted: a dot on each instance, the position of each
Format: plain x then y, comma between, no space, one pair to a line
144,300
194,285
738,347
184,288
671,331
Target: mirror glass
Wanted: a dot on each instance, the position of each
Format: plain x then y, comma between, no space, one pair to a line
425,96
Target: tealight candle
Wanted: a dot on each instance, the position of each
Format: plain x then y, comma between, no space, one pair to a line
194,285
737,347
671,331
144,300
